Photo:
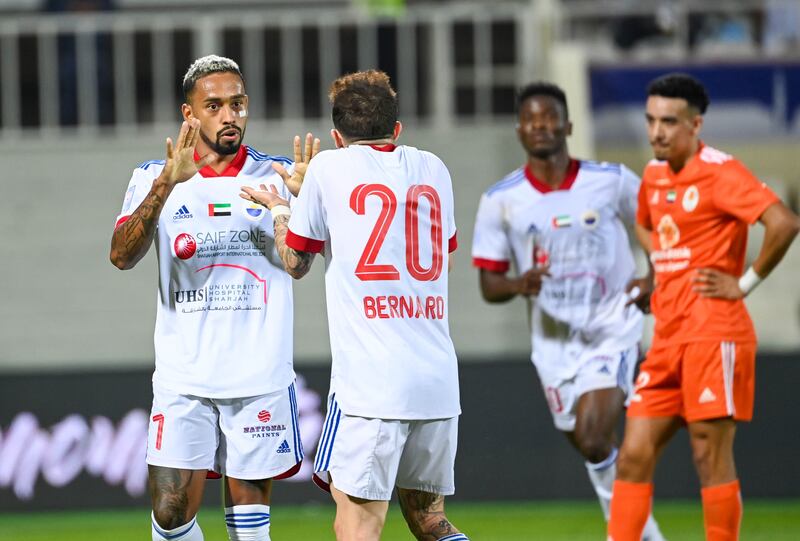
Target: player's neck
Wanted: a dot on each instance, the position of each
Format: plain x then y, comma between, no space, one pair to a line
377,142
221,162
551,170
677,163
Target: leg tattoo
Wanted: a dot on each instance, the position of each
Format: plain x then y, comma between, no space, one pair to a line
424,514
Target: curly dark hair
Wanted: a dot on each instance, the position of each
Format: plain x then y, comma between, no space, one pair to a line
364,105
543,88
680,85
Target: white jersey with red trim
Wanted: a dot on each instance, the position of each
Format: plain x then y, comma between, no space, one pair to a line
384,216
579,230
224,318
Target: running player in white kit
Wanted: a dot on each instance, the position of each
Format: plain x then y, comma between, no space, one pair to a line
561,223
223,387
383,217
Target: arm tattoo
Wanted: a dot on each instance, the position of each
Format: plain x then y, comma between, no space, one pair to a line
132,239
297,263
424,513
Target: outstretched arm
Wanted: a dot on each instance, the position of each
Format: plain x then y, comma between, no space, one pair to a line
132,238
296,263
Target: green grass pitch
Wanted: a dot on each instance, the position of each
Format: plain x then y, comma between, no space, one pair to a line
773,520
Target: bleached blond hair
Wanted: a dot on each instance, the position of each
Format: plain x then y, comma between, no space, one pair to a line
207,65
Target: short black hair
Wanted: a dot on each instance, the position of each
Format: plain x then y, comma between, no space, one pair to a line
680,85
542,88
364,105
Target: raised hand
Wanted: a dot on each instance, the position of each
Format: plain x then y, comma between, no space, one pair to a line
180,165
268,197
716,284
301,160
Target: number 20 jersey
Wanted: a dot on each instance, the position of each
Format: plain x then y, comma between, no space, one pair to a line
383,215
578,230
224,313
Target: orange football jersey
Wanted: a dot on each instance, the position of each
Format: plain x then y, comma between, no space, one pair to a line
698,218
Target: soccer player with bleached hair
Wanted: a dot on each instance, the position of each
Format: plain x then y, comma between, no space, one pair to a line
383,216
695,206
561,223
223,388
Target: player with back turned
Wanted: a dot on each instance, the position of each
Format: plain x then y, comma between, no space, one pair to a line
383,216
695,206
561,223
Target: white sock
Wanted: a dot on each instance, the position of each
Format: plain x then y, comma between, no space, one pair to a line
247,522
651,531
188,532
602,477
454,537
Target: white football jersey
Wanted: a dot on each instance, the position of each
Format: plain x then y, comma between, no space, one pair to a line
224,319
384,216
579,231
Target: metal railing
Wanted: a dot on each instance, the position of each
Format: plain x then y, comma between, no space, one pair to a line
121,71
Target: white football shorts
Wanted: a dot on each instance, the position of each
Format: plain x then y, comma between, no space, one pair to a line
367,458
595,371
245,438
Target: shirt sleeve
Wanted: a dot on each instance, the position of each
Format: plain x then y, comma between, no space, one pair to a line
643,210
307,225
138,188
490,246
451,230
630,184
738,192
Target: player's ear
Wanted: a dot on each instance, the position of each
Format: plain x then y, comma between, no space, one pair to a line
398,129
697,123
186,112
338,140
568,128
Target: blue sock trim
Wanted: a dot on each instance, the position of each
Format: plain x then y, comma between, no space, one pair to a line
173,536
605,464
454,537
246,520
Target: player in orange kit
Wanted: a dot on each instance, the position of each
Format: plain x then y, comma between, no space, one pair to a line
695,206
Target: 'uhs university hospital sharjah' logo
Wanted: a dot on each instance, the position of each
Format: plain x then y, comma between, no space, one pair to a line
185,246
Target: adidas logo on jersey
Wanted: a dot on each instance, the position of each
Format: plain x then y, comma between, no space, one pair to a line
707,396
604,370
182,214
284,448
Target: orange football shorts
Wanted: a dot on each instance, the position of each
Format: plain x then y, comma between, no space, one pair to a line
697,381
